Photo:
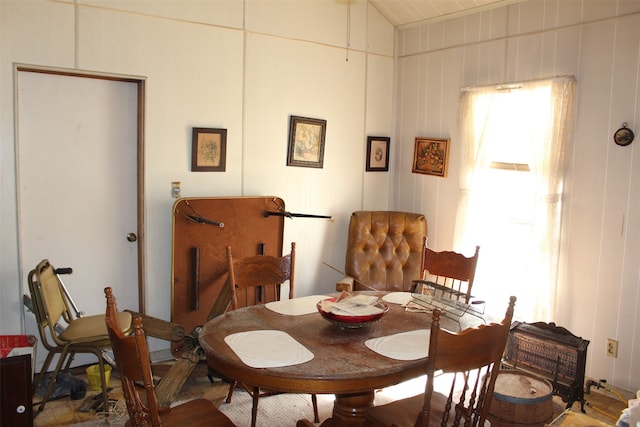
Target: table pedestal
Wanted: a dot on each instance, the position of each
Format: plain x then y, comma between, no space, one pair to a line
349,410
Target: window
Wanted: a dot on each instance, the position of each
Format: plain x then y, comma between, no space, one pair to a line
515,138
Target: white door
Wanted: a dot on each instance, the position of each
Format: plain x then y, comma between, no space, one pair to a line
77,175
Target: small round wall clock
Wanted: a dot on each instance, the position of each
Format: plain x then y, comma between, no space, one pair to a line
623,136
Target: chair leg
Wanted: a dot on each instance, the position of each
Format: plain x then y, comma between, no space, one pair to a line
72,355
314,402
255,395
254,407
105,396
38,379
52,381
232,387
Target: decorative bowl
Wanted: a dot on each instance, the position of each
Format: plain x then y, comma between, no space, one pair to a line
349,321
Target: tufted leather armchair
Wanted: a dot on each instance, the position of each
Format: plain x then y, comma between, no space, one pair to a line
384,251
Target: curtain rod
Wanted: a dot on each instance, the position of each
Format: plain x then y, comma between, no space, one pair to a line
519,84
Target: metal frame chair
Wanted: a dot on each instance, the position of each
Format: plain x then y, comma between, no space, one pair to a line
80,335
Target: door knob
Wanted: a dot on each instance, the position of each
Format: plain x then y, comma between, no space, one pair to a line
132,237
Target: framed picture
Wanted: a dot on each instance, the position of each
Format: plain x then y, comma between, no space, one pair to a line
430,156
209,150
378,153
306,142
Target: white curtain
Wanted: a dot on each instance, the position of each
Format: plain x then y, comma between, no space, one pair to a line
521,258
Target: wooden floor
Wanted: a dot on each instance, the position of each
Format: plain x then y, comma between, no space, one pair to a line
601,405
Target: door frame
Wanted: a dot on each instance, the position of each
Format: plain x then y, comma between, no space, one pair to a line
140,215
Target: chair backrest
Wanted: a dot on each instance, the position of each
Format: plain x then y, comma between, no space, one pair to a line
132,359
258,279
48,301
451,272
471,358
385,249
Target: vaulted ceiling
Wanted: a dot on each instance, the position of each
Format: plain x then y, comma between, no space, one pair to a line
407,13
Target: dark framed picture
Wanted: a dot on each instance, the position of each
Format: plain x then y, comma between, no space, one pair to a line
430,156
209,150
378,153
306,142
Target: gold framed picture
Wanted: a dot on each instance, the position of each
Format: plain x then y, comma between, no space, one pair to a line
306,142
430,156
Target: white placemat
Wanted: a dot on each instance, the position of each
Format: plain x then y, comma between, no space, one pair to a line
296,306
267,348
410,345
397,297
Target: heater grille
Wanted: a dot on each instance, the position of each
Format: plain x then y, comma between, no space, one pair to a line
551,352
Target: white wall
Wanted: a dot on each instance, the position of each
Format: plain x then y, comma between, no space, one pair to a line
240,65
246,66
598,42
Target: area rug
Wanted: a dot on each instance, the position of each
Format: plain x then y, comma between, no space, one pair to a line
287,409
273,411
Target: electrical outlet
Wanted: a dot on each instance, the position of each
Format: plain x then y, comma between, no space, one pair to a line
612,347
175,189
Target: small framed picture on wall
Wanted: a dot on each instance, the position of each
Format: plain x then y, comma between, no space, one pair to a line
430,156
378,153
208,150
306,142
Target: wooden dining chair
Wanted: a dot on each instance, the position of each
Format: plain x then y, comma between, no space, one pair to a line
470,359
258,280
132,360
449,273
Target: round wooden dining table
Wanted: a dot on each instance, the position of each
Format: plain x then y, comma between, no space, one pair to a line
342,364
